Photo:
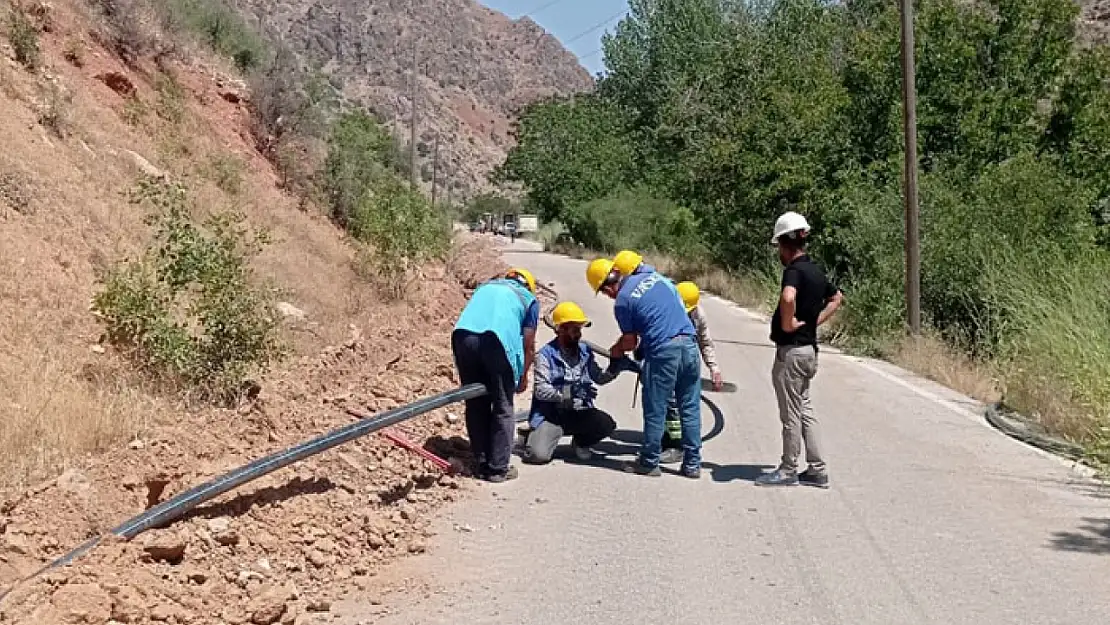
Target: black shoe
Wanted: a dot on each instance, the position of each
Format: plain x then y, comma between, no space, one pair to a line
497,478
634,466
809,478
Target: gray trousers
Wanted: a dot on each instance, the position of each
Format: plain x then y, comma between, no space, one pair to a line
794,367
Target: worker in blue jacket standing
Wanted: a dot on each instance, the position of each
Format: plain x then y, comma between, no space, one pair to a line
653,320
494,343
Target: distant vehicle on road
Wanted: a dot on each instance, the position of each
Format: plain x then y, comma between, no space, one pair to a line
528,223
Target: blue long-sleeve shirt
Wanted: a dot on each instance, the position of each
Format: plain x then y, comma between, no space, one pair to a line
563,375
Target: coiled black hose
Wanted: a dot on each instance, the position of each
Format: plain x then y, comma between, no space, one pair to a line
1017,429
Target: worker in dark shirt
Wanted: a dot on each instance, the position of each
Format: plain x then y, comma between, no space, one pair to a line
807,300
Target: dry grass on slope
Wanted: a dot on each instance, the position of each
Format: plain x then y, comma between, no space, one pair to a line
78,130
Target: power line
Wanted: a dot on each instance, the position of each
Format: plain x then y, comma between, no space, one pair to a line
594,27
540,8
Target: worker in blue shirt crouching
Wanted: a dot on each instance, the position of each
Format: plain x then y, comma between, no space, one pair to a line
653,320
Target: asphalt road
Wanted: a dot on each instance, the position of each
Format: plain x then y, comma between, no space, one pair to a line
933,517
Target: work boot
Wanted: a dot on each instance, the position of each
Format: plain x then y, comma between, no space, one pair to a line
670,456
693,473
778,477
497,478
583,453
811,478
634,466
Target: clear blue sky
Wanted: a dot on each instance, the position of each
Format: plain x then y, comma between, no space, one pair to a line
569,20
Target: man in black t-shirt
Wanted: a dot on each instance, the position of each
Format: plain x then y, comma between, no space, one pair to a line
807,300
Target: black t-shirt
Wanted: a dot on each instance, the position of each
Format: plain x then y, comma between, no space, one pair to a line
814,291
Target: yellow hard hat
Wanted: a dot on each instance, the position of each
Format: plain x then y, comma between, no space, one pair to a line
626,261
517,272
569,312
690,294
598,272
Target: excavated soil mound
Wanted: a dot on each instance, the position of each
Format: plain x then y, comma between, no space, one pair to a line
285,545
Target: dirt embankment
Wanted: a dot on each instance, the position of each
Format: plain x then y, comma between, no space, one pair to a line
77,131
276,550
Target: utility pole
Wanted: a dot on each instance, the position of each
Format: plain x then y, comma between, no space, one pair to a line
435,168
412,129
909,118
339,37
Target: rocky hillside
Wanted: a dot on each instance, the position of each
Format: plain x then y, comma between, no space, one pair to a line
475,68
89,439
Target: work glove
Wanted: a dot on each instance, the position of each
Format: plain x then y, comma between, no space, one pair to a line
586,391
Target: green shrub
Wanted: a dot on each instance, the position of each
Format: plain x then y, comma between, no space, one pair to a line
227,172
358,151
189,312
401,230
1024,207
171,98
219,26
637,219
24,38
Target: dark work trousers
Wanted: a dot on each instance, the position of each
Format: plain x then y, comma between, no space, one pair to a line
588,427
481,359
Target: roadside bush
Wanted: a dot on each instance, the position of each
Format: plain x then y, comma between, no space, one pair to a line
290,114
1056,340
358,151
401,230
636,219
1025,207
219,26
189,312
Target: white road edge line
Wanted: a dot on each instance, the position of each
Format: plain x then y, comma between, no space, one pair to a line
1076,467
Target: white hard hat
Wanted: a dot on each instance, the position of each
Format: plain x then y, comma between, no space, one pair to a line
789,222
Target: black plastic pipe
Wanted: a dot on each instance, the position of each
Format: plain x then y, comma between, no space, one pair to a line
173,509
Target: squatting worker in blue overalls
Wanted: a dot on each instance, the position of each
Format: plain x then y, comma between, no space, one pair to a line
494,342
649,311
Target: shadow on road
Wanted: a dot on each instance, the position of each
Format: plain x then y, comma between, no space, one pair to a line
615,448
1092,537
733,472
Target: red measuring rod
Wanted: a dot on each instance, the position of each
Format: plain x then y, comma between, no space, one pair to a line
405,443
